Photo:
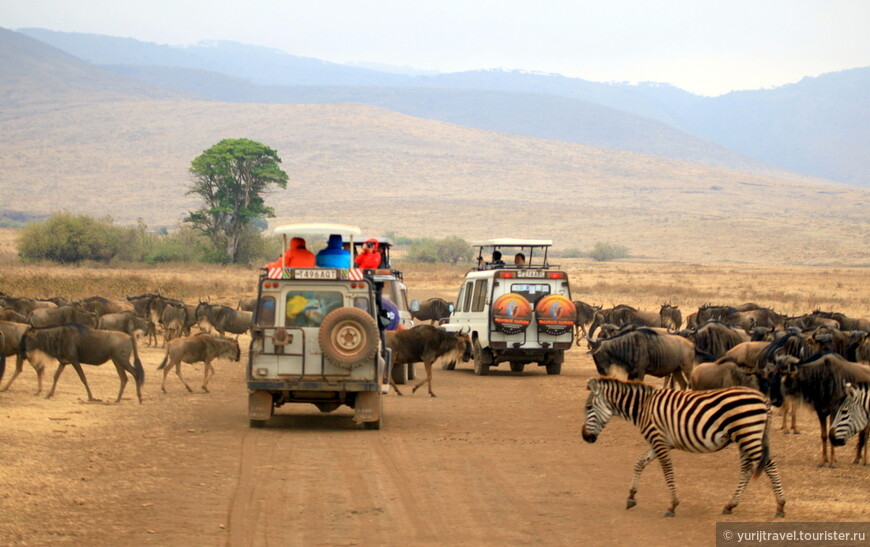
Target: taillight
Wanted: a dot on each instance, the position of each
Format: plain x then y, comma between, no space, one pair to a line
506,275
557,275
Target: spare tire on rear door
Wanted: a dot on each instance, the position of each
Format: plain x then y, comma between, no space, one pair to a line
511,313
348,337
556,314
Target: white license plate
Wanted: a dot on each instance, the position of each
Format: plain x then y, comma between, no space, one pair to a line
533,273
315,274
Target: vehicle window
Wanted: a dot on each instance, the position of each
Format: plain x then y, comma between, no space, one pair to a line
308,308
479,300
266,312
460,299
467,304
531,291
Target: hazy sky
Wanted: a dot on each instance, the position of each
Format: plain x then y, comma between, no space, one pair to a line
706,47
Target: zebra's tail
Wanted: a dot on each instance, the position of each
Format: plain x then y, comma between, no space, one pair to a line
765,448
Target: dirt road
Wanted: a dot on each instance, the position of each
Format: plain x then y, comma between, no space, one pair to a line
491,460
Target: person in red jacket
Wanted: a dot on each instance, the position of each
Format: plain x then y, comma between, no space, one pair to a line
297,256
370,257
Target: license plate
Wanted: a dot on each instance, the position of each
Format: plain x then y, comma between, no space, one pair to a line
315,274
533,273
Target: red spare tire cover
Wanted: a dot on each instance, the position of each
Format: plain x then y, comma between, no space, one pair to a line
555,314
511,313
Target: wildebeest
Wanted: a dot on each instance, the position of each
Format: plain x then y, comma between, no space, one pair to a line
127,322
64,314
223,318
247,304
426,344
174,320
645,351
76,344
101,306
715,338
193,349
819,380
12,333
432,310
721,374
12,315
694,421
668,317
853,416
585,316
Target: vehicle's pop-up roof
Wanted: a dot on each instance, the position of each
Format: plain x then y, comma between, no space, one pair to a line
509,247
318,229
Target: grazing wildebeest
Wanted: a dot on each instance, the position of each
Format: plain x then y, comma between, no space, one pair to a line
432,310
426,344
23,305
819,380
64,314
223,318
76,344
715,338
193,349
645,351
12,333
12,315
853,416
694,421
127,322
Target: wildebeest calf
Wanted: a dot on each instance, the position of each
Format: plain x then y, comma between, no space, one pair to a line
193,349
426,344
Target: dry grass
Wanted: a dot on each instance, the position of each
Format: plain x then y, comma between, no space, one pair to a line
385,171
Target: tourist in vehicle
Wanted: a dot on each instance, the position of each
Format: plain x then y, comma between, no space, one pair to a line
297,256
496,262
333,256
370,257
520,260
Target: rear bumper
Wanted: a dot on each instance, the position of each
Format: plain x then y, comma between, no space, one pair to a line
312,385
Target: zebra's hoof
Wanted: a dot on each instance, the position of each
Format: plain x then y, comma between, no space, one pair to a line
669,513
727,510
630,503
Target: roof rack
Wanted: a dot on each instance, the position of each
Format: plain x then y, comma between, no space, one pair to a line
520,245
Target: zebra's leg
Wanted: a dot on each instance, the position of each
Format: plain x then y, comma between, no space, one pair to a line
771,470
862,446
668,469
745,475
644,460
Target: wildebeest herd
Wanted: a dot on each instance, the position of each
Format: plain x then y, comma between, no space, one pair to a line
820,358
96,330
731,364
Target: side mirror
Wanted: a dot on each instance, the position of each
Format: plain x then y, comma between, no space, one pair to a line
415,306
451,307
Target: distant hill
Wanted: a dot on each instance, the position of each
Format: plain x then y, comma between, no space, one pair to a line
110,145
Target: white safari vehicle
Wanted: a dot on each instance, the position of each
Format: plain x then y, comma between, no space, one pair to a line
318,335
517,314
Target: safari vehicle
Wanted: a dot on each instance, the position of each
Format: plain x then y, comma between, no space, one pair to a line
517,314
318,336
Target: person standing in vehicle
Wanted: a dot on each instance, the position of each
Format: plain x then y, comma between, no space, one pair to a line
297,256
520,260
370,257
497,262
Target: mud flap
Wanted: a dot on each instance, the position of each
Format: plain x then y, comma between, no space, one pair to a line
368,407
259,405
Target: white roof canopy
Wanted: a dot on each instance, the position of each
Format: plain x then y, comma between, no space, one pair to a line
511,242
317,229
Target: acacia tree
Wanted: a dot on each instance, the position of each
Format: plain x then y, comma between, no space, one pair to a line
232,177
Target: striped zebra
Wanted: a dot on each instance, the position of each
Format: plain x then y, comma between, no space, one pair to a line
852,417
694,421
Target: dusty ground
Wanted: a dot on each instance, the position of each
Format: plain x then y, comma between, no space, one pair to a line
491,460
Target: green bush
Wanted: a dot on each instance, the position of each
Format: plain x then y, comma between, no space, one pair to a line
608,251
450,249
68,238
572,252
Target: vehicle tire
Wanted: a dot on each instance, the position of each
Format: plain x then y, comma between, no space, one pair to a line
326,407
517,366
412,372
348,337
257,423
450,365
400,374
554,368
480,368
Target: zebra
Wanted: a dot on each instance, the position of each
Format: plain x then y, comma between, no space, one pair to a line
694,421
852,417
